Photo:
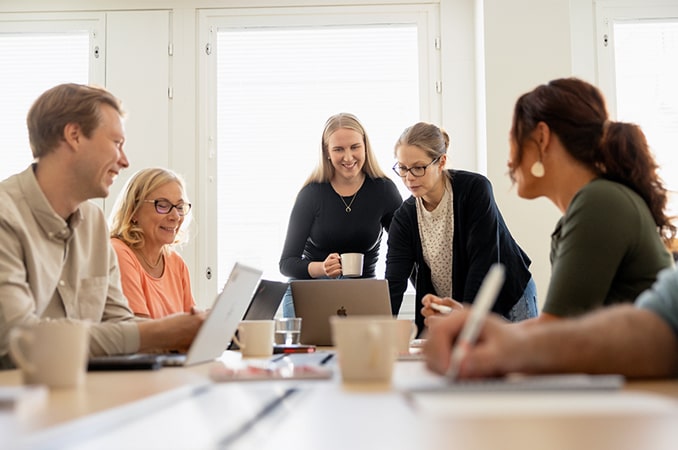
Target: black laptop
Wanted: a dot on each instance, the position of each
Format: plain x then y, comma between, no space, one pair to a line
265,302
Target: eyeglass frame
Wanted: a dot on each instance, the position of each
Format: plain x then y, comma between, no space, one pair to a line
172,206
396,166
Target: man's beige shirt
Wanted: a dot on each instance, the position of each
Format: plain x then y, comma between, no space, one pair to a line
52,268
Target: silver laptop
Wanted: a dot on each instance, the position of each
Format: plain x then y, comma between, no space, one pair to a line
315,301
214,335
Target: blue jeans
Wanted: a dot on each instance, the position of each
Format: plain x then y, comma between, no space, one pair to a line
526,307
288,304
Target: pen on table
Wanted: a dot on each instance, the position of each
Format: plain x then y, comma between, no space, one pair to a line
474,322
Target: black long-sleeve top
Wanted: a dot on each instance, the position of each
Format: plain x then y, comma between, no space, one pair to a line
319,225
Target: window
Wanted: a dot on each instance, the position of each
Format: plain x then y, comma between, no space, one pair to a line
638,66
274,87
646,67
35,56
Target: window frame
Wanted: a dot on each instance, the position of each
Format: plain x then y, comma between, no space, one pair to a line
607,14
55,23
424,16
93,22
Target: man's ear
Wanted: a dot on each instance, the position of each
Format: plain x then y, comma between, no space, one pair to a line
72,134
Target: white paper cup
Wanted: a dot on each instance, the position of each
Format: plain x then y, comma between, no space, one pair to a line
366,347
255,338
51,352
352,264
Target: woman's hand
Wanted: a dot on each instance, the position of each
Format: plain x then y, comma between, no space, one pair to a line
332,265
428,311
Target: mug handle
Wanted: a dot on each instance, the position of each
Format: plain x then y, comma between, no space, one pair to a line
15,340
237,341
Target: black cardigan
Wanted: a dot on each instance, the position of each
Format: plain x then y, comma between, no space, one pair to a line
480,238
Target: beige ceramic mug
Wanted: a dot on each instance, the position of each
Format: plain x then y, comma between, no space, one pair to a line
352,264
255,338
51,352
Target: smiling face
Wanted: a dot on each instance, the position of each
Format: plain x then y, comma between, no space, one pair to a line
346,151
102,155
161,229
429,186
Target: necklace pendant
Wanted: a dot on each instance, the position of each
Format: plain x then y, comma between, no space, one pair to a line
348,209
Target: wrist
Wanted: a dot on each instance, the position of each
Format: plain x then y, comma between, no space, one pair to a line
315,269
150,335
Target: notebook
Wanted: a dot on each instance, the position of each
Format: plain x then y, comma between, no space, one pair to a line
214,335
315,301
264,303
538,383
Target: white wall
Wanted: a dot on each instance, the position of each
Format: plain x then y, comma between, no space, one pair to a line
526,43
492,51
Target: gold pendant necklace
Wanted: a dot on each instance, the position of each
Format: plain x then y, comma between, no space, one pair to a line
348,207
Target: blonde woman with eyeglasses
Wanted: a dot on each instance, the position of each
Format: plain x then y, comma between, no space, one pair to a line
147,221
448,233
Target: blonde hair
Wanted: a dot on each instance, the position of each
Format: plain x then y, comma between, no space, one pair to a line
324,170
130,200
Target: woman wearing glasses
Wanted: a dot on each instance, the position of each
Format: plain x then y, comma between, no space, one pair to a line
342,208
449,232
146,222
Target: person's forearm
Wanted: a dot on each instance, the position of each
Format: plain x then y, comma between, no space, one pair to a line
151,336
316,270
634,342
540,319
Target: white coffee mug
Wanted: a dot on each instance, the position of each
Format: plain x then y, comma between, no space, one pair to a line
51,352
405,332
255,338
366,347
352,264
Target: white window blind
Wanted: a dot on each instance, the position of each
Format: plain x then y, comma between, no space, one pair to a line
32,63
646,69
276,87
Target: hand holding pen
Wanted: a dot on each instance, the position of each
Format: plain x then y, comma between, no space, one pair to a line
434,306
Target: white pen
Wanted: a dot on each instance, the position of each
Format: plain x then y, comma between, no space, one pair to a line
443,309
479,309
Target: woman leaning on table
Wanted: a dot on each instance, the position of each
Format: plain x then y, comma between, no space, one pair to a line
146,223
609,245
343,207
449,232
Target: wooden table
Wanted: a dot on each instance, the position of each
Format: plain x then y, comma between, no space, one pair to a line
182,408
